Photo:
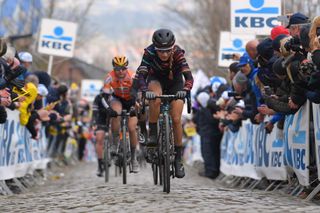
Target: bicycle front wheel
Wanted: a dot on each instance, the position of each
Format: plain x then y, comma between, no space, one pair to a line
166,155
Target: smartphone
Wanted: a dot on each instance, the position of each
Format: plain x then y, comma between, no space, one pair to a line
227,56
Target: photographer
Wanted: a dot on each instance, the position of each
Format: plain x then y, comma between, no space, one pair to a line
296,21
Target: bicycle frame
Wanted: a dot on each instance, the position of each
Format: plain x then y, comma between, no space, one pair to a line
125,152
165,155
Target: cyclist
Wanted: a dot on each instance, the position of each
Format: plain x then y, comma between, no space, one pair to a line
116,94
160,72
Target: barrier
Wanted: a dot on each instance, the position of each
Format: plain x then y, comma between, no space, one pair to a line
316,121
252,153
19,154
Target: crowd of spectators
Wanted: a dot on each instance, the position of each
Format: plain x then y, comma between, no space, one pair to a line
42,102
273,78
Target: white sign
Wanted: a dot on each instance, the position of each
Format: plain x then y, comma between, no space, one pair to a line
57,37
90,88
229,44
254,16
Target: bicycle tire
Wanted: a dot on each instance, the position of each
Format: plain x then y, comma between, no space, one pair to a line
155,173
166,153
160,157
160,165
124,156
106,159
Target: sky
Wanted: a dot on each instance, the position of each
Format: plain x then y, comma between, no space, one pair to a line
119,23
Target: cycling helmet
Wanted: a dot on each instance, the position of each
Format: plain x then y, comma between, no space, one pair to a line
163,39
120,61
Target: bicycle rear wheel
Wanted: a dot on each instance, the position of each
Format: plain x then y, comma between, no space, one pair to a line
107,159
166,155
124,156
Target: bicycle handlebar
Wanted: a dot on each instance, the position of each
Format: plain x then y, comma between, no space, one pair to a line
172,97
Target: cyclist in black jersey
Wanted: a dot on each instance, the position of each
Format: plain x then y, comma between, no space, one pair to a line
161,71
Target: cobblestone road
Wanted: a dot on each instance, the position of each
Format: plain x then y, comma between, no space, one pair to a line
79,190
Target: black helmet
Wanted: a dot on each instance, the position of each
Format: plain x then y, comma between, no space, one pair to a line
163,39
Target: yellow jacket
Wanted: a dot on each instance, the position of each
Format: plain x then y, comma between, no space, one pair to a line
24,108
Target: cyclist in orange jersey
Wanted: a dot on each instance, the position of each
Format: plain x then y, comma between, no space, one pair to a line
116,93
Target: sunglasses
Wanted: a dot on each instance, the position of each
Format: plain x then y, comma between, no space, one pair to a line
117,69
164,51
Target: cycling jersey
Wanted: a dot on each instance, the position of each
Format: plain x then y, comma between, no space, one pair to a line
120,87
169,73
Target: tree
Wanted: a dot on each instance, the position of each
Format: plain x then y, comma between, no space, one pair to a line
202,27
75,12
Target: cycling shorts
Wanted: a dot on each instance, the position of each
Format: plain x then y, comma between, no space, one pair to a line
167,90
126,104
102,121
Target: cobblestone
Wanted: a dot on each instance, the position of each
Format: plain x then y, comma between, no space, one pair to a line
79,190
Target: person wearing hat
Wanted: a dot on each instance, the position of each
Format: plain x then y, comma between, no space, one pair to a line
248,69
25,59
42,93
295,23
278,30
246,65
210,135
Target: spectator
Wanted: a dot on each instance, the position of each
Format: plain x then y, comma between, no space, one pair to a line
26,62
210,135
233,69
251,48
278,30
295,23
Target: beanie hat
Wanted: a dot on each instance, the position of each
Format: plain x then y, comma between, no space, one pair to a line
25,57
265,49
278,30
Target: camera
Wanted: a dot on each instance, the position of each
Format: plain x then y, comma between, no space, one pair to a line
227,56
293,44
233,94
